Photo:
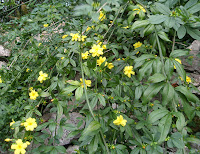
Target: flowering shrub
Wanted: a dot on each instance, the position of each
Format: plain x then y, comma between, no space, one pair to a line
116,61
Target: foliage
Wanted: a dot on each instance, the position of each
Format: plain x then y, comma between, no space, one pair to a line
133,107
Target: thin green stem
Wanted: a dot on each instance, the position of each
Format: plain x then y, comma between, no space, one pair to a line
174,41
160,52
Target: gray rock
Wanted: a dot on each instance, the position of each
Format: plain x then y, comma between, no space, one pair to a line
194,66
2,63
72,149
72,120
4,52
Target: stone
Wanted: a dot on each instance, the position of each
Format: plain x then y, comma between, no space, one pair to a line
72,120
4,52
72,149
2,63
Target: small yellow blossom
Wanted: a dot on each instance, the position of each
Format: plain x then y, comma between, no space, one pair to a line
30,89
102,16
110,65
178,60
188,79
99,42
87,83
126,27
101,60
33,95
96,50
62,58
8,140
118,59
46,25
30,124
64,36
39,44
19,147
12,123
120,121
27,70
28,143
104,47
88,28
0,80
75,37
85,55
137,45
137,52
82,38
139,9
42,77
128,70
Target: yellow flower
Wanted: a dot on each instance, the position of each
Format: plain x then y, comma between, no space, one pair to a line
96,50
104,47
101,60
110,65
118,59
75,37
8,140
33,95
137,45
88,28
64,36
85,55
12,123
62,58
0,80
120,121
42,77
19,147
30,89
46,25
27,70
82,38
137,52
99,42
139,9
188,79
87,83
126,27
178,60
30,124
39,44
28,143
128,70
102,16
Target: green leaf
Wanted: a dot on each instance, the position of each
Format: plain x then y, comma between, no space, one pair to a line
157,114
69,89
195,8
138,92
131,17
181,32
163,36
164,127
149,30
192,140
188,109
194,33
180,123
41,126
144,57
157,66
52,127
94,144
162,8
120,146
169,68
157,77
44,94
151,91
91,130
61,149
157,19
168,93
102,100
184,90
93,102
147,68
170,22
37,112
190,3
74,83
79,93
179,69
139,24
178,53
59,110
